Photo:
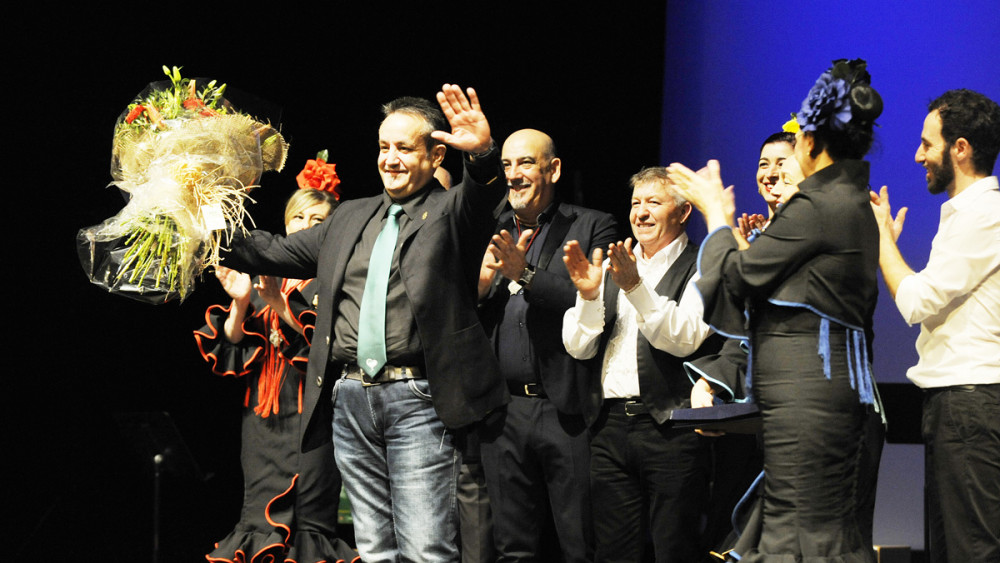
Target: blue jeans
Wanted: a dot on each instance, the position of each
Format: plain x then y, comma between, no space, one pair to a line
400,470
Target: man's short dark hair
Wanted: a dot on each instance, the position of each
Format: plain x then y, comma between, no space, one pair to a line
429,112
974,117
779,137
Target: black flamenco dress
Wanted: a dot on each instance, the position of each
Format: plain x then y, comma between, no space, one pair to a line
290,498
809,286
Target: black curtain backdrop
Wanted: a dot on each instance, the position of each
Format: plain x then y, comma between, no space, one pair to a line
591,79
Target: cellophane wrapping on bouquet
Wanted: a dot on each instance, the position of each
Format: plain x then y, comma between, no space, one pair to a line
187,160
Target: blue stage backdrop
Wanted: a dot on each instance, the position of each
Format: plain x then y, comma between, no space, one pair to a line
734,71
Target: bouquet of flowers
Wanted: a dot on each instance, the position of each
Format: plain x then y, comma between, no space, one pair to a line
187,160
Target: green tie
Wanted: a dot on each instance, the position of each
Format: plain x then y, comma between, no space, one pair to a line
371,325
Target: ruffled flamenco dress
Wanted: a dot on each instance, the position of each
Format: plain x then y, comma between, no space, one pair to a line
290,498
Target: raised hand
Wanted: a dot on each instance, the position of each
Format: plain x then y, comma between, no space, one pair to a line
486,274
236,284
586,275
270,291
470,132
704,189
747,223
621,263
887,225
510,254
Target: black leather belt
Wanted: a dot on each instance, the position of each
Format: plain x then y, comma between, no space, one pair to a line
966,388
526,389
387,374
630,406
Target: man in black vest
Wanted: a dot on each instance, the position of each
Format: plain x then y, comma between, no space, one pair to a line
535,451
643,472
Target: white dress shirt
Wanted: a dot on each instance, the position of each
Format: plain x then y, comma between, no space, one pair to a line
676,328
956,298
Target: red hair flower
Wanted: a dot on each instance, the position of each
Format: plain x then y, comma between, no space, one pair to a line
319,175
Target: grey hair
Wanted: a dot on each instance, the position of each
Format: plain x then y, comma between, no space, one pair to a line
656,174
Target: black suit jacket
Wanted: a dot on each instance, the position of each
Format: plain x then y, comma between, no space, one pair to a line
572,385
441,252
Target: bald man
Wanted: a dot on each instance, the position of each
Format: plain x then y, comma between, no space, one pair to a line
535,452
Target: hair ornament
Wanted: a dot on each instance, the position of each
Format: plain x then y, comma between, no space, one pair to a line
320,175
841,95
790,126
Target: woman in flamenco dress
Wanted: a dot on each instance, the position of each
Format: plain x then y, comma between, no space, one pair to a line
808,285
290,498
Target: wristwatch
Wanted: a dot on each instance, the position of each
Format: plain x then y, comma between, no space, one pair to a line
476,156
527,275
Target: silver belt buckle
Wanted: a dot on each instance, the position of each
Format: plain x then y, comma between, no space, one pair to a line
366,380
632,404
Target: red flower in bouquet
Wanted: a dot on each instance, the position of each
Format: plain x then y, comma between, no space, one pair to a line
181,184
136,112
319,175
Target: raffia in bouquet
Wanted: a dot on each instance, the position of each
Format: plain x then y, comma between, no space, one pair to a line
187,160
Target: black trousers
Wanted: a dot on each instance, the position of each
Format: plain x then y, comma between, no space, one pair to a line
961,428
649,484
475,520
537,463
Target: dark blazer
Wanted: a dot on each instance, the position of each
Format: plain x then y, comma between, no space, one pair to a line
663,383
571,385
440,254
